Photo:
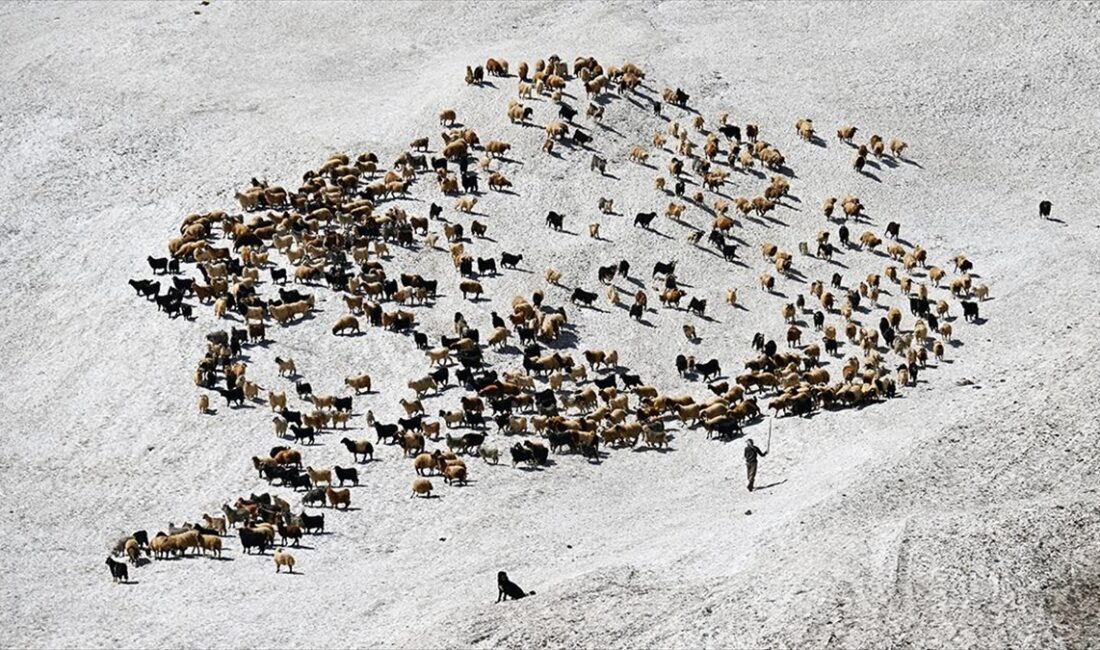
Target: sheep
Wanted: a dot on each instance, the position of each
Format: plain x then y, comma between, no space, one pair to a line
556,130
344,323
338,497
497,148
468,287
411,408
288,457
423,385
422,486
284,559
454,473
318,475
498,182
594,230
466,204
447,116
359,383
212,543
897,147
214,523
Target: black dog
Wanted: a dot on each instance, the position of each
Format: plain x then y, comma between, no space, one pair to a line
507,589
119,573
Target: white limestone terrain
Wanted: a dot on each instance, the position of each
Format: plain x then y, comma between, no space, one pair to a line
964,512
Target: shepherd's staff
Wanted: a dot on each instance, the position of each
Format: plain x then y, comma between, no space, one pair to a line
769,435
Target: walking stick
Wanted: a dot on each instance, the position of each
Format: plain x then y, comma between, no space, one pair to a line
769,436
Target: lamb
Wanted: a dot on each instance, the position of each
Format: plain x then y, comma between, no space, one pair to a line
284,559
286,367
423,487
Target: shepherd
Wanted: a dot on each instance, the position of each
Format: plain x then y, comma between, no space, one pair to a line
752,452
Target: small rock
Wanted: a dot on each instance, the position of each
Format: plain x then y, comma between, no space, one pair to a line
748,512
568,546
442,539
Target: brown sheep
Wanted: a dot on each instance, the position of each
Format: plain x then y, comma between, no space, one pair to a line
846,133
675,210
423,487
447,116
468,287
869,240
466,204
347,322
498,182
897,147
497,148
557,130
338,497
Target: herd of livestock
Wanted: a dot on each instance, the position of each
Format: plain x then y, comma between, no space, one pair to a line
335,232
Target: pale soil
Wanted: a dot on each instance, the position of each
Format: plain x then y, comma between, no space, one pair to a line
951,516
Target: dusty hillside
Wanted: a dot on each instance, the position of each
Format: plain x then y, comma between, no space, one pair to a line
959,514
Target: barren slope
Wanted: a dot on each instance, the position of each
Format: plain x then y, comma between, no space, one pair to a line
955,515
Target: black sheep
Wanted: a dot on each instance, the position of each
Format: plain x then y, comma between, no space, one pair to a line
709,369
347,474
586,298
970,310
520,454
598,163
158,264
304,389
644,219
251,539
555,220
